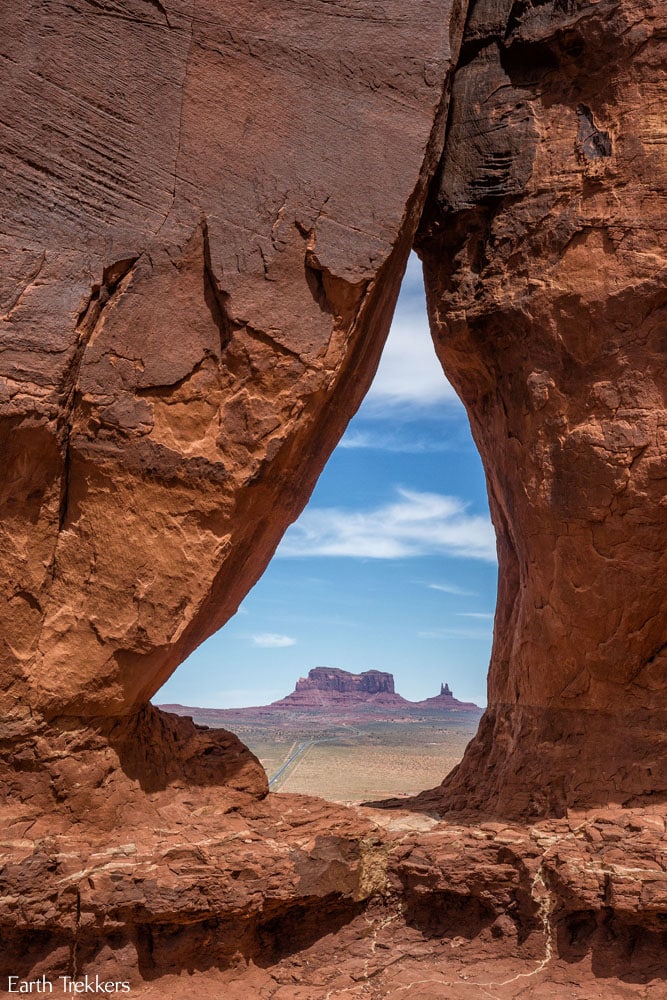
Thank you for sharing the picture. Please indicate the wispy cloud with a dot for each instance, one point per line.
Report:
(416, 524)
(450, 588)
(396, 443)
(475, 614)
(271, 640)
(409, 372)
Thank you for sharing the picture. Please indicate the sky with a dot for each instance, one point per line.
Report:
(392, 564)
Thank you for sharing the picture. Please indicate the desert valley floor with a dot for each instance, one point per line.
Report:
(357, 760)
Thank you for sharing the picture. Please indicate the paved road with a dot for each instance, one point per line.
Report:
(298, 751)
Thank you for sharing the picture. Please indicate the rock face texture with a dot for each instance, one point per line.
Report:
(206, 213)
(545, 258)
(350, 905)
(329, 688)
(343, 682)
(196, 285)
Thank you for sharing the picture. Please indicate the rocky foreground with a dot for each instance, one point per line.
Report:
(202, 884)
(207, 211)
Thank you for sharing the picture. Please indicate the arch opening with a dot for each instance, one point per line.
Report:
(391, 568)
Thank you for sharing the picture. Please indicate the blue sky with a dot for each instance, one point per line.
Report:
(392, 564)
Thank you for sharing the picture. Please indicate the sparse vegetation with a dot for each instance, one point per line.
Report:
(360, 760)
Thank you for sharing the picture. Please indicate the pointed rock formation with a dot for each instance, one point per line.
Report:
(446, 700)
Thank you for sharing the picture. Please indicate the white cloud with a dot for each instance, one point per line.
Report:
(400, 444)
(475, 614)
(450, 588)
(409, 371)
(417, 524)
(271, 640)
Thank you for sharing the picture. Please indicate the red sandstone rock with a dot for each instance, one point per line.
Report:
(492, 906)
(206, 215)
(204, 241)
(332, 689)
(333, 679)
(545, 264)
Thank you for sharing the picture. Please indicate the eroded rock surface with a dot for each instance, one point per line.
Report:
(545, 259)
(298, 899)
(206, 217)
(204, 237)
(333, 679)
(330, 688)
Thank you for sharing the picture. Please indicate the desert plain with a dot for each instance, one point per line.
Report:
(355, 760)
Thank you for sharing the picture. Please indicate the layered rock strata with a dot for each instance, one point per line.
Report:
(330, 689)
(343, 682)
(346, 906)
(545, 263)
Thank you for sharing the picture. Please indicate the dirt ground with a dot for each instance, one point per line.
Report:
(356, 761)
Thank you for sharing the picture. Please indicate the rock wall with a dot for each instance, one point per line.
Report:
(207, 211)
(204, 238)
(545, 262)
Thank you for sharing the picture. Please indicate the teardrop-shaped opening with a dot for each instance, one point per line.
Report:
(390, 568)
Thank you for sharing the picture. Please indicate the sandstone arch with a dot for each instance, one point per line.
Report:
(192, 313)
(206, 216)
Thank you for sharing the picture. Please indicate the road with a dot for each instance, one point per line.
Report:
(298, 751)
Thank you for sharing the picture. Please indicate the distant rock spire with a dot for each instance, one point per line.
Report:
(445, 689)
